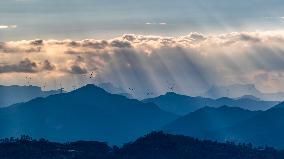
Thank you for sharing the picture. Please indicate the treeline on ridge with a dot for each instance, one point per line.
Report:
(156, 145)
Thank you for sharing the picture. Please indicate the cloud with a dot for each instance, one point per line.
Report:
(192, 63)
(37, 42)
(120, 44)
(8, 27)
(155, 23)
(77, 66)
(21, 46)
(47, 66)
(77, 70)
(26, 66)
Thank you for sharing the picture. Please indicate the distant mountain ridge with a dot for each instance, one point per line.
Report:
(239, 90)
(182, 104)
(88, 113)
(16, 94)
(204, 122)
(266, 128)
(91, 113)
(249, 97)
(109, 87)
(233, 124)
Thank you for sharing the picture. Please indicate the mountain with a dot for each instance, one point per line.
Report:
(17, 94)
(89, 113)
(204, 122)
(239, 90)
(156, 145)
(233, 124)
(178, 104)
(232, 91)
(109, 87)
(266, 128)
(251, 97)
(182, 105)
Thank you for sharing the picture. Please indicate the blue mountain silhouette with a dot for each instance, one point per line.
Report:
(182, 105)
(206, 122)
(266, 128)
(239, 90)
(260, 128)
(89, 113)
(17, 94)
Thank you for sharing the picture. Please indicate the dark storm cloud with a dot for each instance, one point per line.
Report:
(24, 66)
(28, 47)
(121, 44)
(77, 70)
(48, 66)
(95, 45)
(246, 37)
(37, 42)
(27, 66)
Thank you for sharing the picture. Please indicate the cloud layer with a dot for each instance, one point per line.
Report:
(8, 27)
(188, 64)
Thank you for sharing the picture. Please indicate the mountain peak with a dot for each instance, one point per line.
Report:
(90, 112)
(91, 87)
(233, 91)
(171, 94)
(250, 97)
(89, 90)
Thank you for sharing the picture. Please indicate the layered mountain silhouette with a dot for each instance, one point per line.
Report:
(266, 128)
(233, 124)
(89, 113)
(206, 122)
(109, 87)
(249, 97)
(239, 90)
(182, 105)
(17, 94)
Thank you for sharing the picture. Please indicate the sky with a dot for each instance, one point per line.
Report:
(80, 19)
(149, 45)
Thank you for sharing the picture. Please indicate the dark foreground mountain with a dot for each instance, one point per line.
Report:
(16, 94)
(27, 148)
(156, 145)
(182, 105)
(206, 122)
(89, 113)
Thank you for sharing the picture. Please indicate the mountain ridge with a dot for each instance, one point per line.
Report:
(207, 121)
(260, 128)
(18, 94)
(240, 90)
(182, 104)
(88, 113)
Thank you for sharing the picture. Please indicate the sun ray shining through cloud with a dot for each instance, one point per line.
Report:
(112, 71)
(147, 62)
